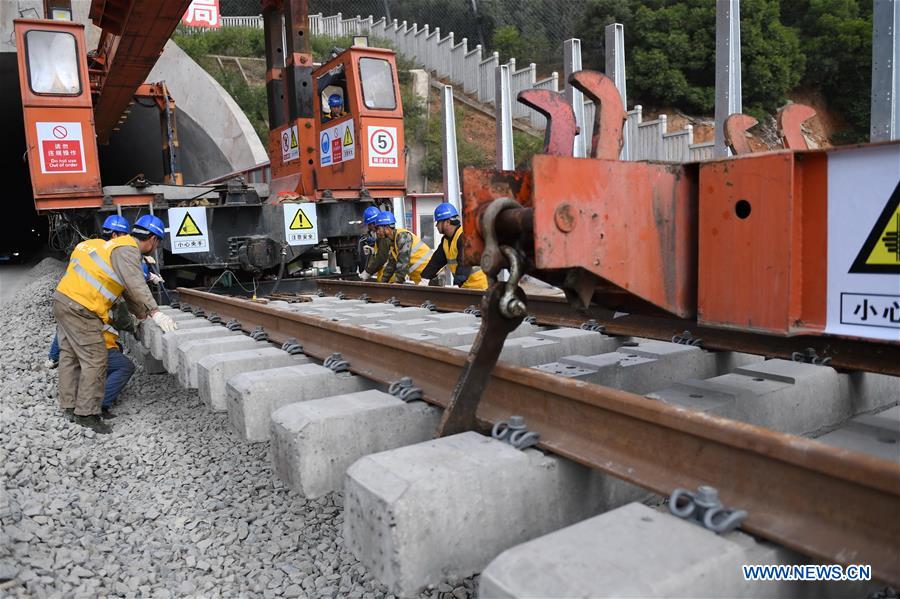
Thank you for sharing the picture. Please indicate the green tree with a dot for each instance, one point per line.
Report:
(507, 41)
(836, 36)
(670, 51)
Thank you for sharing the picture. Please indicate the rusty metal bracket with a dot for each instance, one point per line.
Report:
(810, 356)
(405, 390)
(606, 139)
(515, 433)
(503, 308)
(559, 135)
(790, 120)
(705, 508)
(736, 126)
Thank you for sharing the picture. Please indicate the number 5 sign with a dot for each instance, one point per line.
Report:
(382, 146)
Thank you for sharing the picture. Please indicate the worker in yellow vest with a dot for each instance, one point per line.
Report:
(409, 254)
(95, 278)
(449, 253)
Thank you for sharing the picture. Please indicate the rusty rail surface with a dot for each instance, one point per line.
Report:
(845, 353)
(825, 502)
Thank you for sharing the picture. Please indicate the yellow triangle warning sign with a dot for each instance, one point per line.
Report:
(880, 254)
(348, 137)
(188, 228)
(300, 221)
(293, 138)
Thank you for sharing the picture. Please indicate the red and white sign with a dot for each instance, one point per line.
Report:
(61, 147)
(203, 13)
(382, 146)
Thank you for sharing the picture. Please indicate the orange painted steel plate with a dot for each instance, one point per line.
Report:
(632, 224)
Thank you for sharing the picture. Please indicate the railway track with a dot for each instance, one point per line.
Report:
(829, 503)
(849, 354)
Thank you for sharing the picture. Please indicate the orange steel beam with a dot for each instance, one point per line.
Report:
(141, 30)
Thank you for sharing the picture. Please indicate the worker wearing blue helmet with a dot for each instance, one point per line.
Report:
(376, 249)
(335, 106)
(95, 279)
(450, 252)
(408, 253)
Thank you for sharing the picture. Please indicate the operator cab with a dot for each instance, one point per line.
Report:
(359, 126)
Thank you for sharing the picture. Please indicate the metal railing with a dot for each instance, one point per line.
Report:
(474, 71)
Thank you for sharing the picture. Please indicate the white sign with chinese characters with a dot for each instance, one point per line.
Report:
(300, 224)
(202, 13)
(337, 144)
(382, 146)
(290, 144)
(188, 230)
(863, 233)
(61, 147)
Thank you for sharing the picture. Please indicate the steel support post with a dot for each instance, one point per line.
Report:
(615, 70)
(506, 159)
(885, 123)
(448, 143)
(728, 68)
(572, 60)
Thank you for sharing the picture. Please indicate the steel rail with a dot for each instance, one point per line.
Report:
(845, 353)
(825, 502)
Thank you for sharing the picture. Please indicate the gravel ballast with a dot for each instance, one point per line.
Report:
(171, 504)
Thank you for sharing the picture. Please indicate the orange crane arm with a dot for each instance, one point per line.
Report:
(134, 34)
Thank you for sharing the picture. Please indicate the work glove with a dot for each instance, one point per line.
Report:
(155, 278)
(50, 364)
(424, 282)
(368, 250)
(164, 322)
(364, 276)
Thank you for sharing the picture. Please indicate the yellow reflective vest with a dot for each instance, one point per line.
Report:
(419, 255)
(477, 278)
(90, 279)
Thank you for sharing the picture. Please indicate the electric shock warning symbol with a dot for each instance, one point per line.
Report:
(300, 221)
(188, 228)
(880, 254)
(348, 137)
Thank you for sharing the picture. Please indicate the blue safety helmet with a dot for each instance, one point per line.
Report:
(150, 224)
(386, 219)
(335, 101)
(116, 223)
(445, 211)
(370, 215)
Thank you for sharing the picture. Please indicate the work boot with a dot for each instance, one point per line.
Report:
(106, 414)
(68, 414)
(93, 422)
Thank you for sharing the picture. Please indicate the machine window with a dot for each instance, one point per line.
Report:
(52, 63)
(377, 84)
(333, 89)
